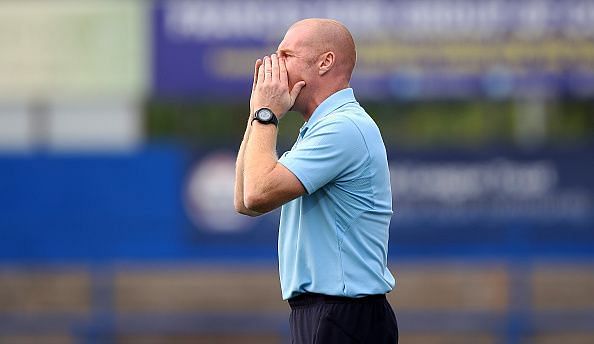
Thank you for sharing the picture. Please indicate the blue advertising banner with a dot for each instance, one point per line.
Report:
(443, 201)
(493, 202)
(170, 203)
(406, 49)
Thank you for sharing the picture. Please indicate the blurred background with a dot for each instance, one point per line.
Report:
(119, 125)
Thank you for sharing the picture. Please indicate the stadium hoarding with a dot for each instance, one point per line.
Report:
(169, 202)
(406, 49)
(499, 201)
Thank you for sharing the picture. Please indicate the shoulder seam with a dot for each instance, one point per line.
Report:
(362, 137)
(367, 160)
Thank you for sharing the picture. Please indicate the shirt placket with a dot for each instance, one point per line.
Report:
(302, 132)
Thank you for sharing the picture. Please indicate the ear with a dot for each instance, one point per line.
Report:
(326, 62)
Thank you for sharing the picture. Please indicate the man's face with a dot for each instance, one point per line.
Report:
(297, 53)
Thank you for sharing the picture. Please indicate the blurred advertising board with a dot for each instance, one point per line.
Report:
(168, 202)
(493, 185)
(68, 48)
(406, 49)
(460, 200)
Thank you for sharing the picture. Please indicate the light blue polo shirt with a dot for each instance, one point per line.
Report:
(334, 239)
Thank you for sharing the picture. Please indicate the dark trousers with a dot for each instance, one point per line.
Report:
(322, 319)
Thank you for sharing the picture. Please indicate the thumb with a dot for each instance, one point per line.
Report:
(296, 89)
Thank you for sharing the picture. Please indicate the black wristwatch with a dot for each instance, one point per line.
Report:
(265, 116)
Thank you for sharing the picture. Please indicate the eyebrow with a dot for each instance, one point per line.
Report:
(284, 51)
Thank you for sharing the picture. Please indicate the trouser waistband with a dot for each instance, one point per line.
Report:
(313, 298)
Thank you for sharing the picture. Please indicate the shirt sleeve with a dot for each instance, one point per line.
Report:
(333, 149)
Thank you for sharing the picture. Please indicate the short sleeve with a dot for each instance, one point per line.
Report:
(332, 149)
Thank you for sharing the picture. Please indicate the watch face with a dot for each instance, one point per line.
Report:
(265, 115)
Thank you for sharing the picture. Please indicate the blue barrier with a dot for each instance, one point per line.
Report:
(166, 202)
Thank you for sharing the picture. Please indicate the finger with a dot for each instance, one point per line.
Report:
(261, 72)
(267, 68)
(275, 69)
(256, 66)
(284, 78)
(295, 91)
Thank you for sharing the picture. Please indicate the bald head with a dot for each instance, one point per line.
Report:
(324, 35)
(320, 52)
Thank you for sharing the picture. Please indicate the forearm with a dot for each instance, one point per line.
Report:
(266, 183)
(239, 172)
(260, 160)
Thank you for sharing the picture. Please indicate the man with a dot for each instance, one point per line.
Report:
(333, 186)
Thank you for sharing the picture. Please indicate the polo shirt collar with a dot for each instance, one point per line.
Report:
(329, 104)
